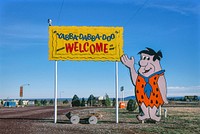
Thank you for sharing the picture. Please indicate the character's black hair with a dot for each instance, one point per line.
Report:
(151, 52)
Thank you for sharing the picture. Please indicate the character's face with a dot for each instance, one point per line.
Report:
(148, 66)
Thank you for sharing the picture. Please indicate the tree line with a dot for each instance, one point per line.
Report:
(76, 102)
(92, 101)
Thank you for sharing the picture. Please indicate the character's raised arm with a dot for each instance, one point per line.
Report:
(130, 64)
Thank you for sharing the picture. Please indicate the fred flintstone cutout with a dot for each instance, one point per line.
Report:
(149, 82)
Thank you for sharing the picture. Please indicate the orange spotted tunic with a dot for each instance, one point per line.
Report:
(155, 98)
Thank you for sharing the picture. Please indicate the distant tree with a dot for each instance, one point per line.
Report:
(65, 101)
(114, 102)
(37, 103)
(184, 99)
(43, 102)
(83, 102)
(51, 102)
(91, 100)
(20, 102)
(131, 106)
(107, 101)
(75, 101)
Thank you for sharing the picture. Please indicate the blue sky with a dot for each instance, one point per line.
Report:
(170, 26)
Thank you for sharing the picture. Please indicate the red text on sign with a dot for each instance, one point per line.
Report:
(86, 47)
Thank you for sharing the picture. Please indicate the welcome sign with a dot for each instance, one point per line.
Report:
(85, 43)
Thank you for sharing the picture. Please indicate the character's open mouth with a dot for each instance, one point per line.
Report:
(146, 71)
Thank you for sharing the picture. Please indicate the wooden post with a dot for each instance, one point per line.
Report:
(160, 110)
(165, 112)
(116, 93)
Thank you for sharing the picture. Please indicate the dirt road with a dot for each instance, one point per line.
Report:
(40, 120)
(25, 120)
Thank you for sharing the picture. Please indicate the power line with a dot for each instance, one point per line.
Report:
(60, 11)
(136, 12)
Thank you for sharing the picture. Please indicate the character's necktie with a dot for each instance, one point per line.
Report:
(147, 88)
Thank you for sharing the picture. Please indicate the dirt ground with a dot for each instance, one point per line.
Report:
(39, 120)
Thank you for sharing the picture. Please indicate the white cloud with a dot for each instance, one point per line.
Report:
(182, 87)
(183, 91)
(180, 7)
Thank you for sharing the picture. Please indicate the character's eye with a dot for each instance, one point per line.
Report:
(143, 57)
(148, 58)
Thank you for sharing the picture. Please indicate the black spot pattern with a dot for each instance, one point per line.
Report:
(156, 102)
(156, 95)
(142, 96)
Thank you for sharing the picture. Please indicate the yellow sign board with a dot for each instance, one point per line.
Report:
(85, 43)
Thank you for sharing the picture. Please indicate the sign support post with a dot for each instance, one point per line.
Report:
(116, 92)
(55, 90)
(55, 83)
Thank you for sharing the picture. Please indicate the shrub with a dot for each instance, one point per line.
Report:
(65, 101)
(83, 102)
(107, 101)
(43, 102)
(51, 102)
(131, 106)
(75, 101)
(20, 102)
(114, 102)
(91, 100)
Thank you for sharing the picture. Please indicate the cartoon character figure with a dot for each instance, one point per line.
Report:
(149, 82)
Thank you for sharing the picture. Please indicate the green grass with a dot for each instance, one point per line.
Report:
(179, 121)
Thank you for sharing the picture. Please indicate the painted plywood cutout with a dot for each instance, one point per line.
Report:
(149, 81)
(85, 43)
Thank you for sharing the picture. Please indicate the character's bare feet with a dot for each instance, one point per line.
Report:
(153, 115)
(156, 118)
(141, 118)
